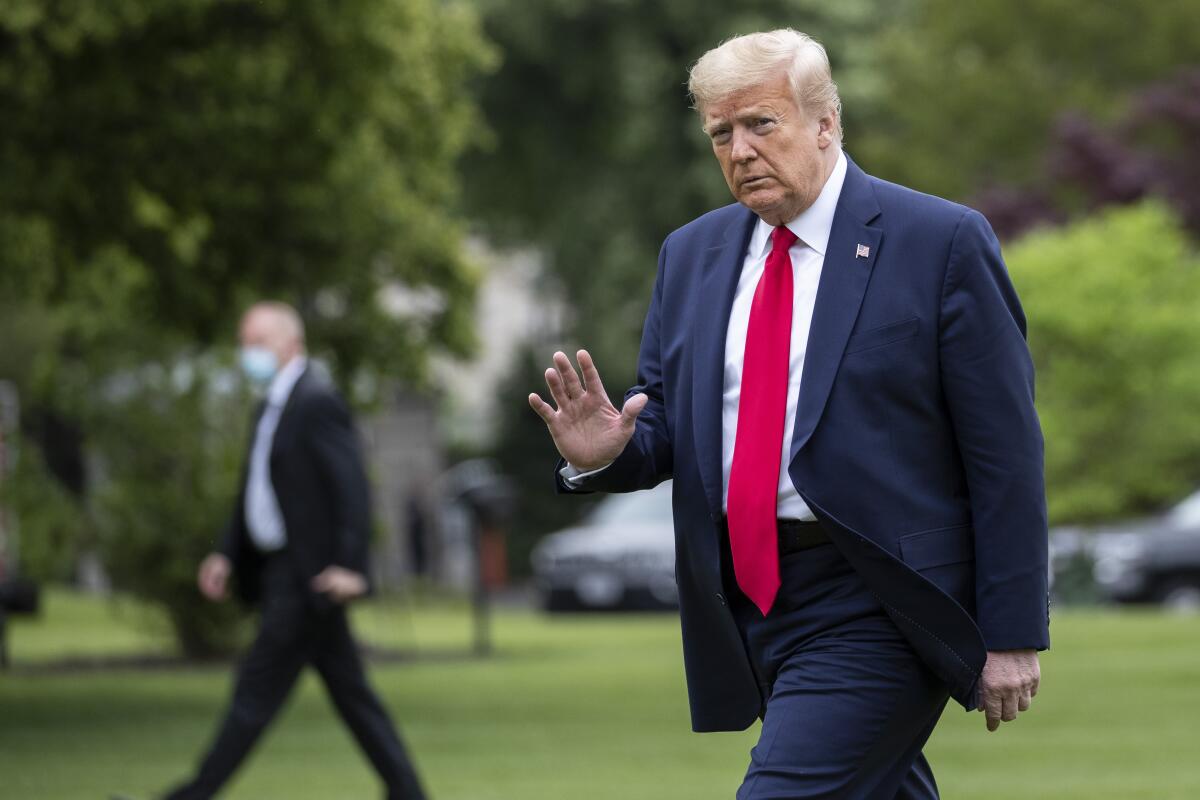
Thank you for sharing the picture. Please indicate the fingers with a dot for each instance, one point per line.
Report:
(1004, 706)
(212, 586)
(213, 577)
(339, 584)
(322, 581)
(327, 583)
(542, 408)
(591, 376)
(564, 382)
(992, 710)
(566, 372)
(559, 392)
(1008, 707)
(633, 406)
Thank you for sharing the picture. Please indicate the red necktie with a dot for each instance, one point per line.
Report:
(762, 411)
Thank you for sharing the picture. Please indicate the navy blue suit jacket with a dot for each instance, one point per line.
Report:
(916, 440)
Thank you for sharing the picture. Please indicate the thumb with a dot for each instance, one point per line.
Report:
(633, 406)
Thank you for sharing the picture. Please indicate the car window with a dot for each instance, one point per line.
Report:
(653, 505)
(1187, 513)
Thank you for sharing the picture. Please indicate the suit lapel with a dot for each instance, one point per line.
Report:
(721, 270)
(283, 428)
(844, 278)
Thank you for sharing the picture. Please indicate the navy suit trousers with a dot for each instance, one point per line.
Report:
(849, 704)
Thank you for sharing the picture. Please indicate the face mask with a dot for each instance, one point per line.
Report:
(259, 364)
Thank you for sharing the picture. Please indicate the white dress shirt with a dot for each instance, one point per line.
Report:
(812, 229)
(808, 257)
(264, 520)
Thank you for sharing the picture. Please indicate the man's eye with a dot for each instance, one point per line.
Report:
(720, 135)
(763, 122)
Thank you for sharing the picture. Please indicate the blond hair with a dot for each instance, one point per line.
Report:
(751, 60)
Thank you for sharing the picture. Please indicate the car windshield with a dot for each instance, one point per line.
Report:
(1187, 513)
(653, 505)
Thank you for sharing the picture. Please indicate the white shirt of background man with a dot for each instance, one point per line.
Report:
(264, 520)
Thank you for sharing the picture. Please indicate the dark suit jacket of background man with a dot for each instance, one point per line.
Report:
(317, 474)
(916, 441)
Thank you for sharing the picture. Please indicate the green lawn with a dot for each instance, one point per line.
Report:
(581, 708)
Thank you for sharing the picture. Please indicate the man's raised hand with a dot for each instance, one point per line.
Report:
(588, 430)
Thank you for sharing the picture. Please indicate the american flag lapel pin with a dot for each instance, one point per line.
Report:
(862, 252)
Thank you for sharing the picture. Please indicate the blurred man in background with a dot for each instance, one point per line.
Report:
(297, 545)
(834, 372)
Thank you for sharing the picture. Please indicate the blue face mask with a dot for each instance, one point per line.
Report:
(259, 364)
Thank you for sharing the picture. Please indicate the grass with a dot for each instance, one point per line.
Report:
(579, 707)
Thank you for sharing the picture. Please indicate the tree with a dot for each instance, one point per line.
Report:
(170, 161)
(972, 91)
(167, 163)
(1152, 149)
(1111, 302)
(526, 454)
(171, 442)
(596, 154)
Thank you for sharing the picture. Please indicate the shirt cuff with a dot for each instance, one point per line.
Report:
(575, 479)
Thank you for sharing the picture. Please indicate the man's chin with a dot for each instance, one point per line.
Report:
(763, 206)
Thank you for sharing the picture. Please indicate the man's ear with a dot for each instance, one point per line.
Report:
(825, 131)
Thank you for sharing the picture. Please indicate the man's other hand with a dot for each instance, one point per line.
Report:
(341, 584)
(213, 577)
(1008, 684)
(588, 430)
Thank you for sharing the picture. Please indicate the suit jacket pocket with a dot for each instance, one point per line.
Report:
(884, 334)
(937, 547)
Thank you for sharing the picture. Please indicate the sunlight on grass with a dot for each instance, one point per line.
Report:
(587, 707)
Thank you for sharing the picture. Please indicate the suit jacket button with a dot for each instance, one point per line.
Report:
(721, 599)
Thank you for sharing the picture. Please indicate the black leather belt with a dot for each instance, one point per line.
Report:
(795, 535)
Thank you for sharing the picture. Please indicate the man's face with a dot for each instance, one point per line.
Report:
(262, 328)
(775, 157)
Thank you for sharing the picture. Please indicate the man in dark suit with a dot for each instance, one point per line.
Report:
(835, 374)
(297, 545)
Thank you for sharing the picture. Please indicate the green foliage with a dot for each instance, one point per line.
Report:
(1111, 303)
(525, 454)
(597, 155)
(52, 514)
(172, 441)
(971, 91)
(167, 163)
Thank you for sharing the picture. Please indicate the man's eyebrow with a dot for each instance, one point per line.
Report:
(743, 115)
(754, 113)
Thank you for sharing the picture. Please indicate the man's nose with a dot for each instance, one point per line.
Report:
(741, 148)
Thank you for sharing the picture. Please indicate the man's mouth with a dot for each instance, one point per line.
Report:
(750, 183)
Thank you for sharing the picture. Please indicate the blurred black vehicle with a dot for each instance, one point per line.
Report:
(1149, 560)
(621, 556)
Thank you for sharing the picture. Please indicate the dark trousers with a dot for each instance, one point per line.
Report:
(296, 631)
(850, 705)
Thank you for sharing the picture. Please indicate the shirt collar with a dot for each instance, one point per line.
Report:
(283, 383)
(815, 222)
